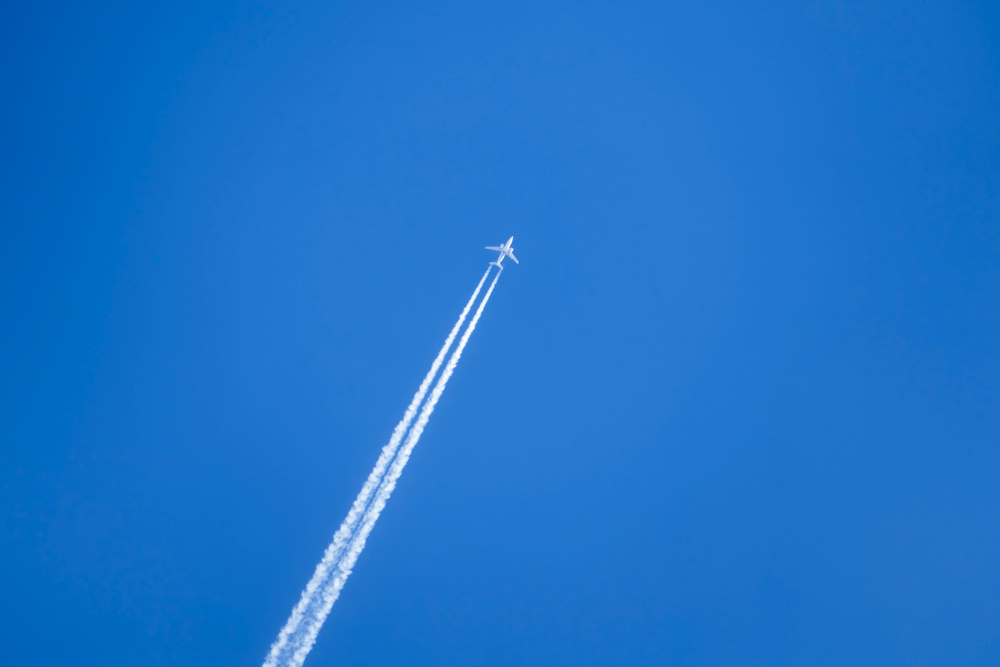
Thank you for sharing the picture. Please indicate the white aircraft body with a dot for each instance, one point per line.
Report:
(505, 251)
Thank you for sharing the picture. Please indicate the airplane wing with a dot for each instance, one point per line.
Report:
(493, 247)
(511, 255)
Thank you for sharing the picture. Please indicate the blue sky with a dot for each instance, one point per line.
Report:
(739, 403)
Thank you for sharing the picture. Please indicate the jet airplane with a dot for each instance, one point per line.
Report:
(505, 251)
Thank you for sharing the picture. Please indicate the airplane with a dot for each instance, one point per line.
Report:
(505, 251)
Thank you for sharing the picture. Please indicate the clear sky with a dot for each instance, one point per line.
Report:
(739, 404)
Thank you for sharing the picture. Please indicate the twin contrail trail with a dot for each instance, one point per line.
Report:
(298, 635)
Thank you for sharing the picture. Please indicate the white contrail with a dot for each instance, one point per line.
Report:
(347, 528)
(343, 568)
